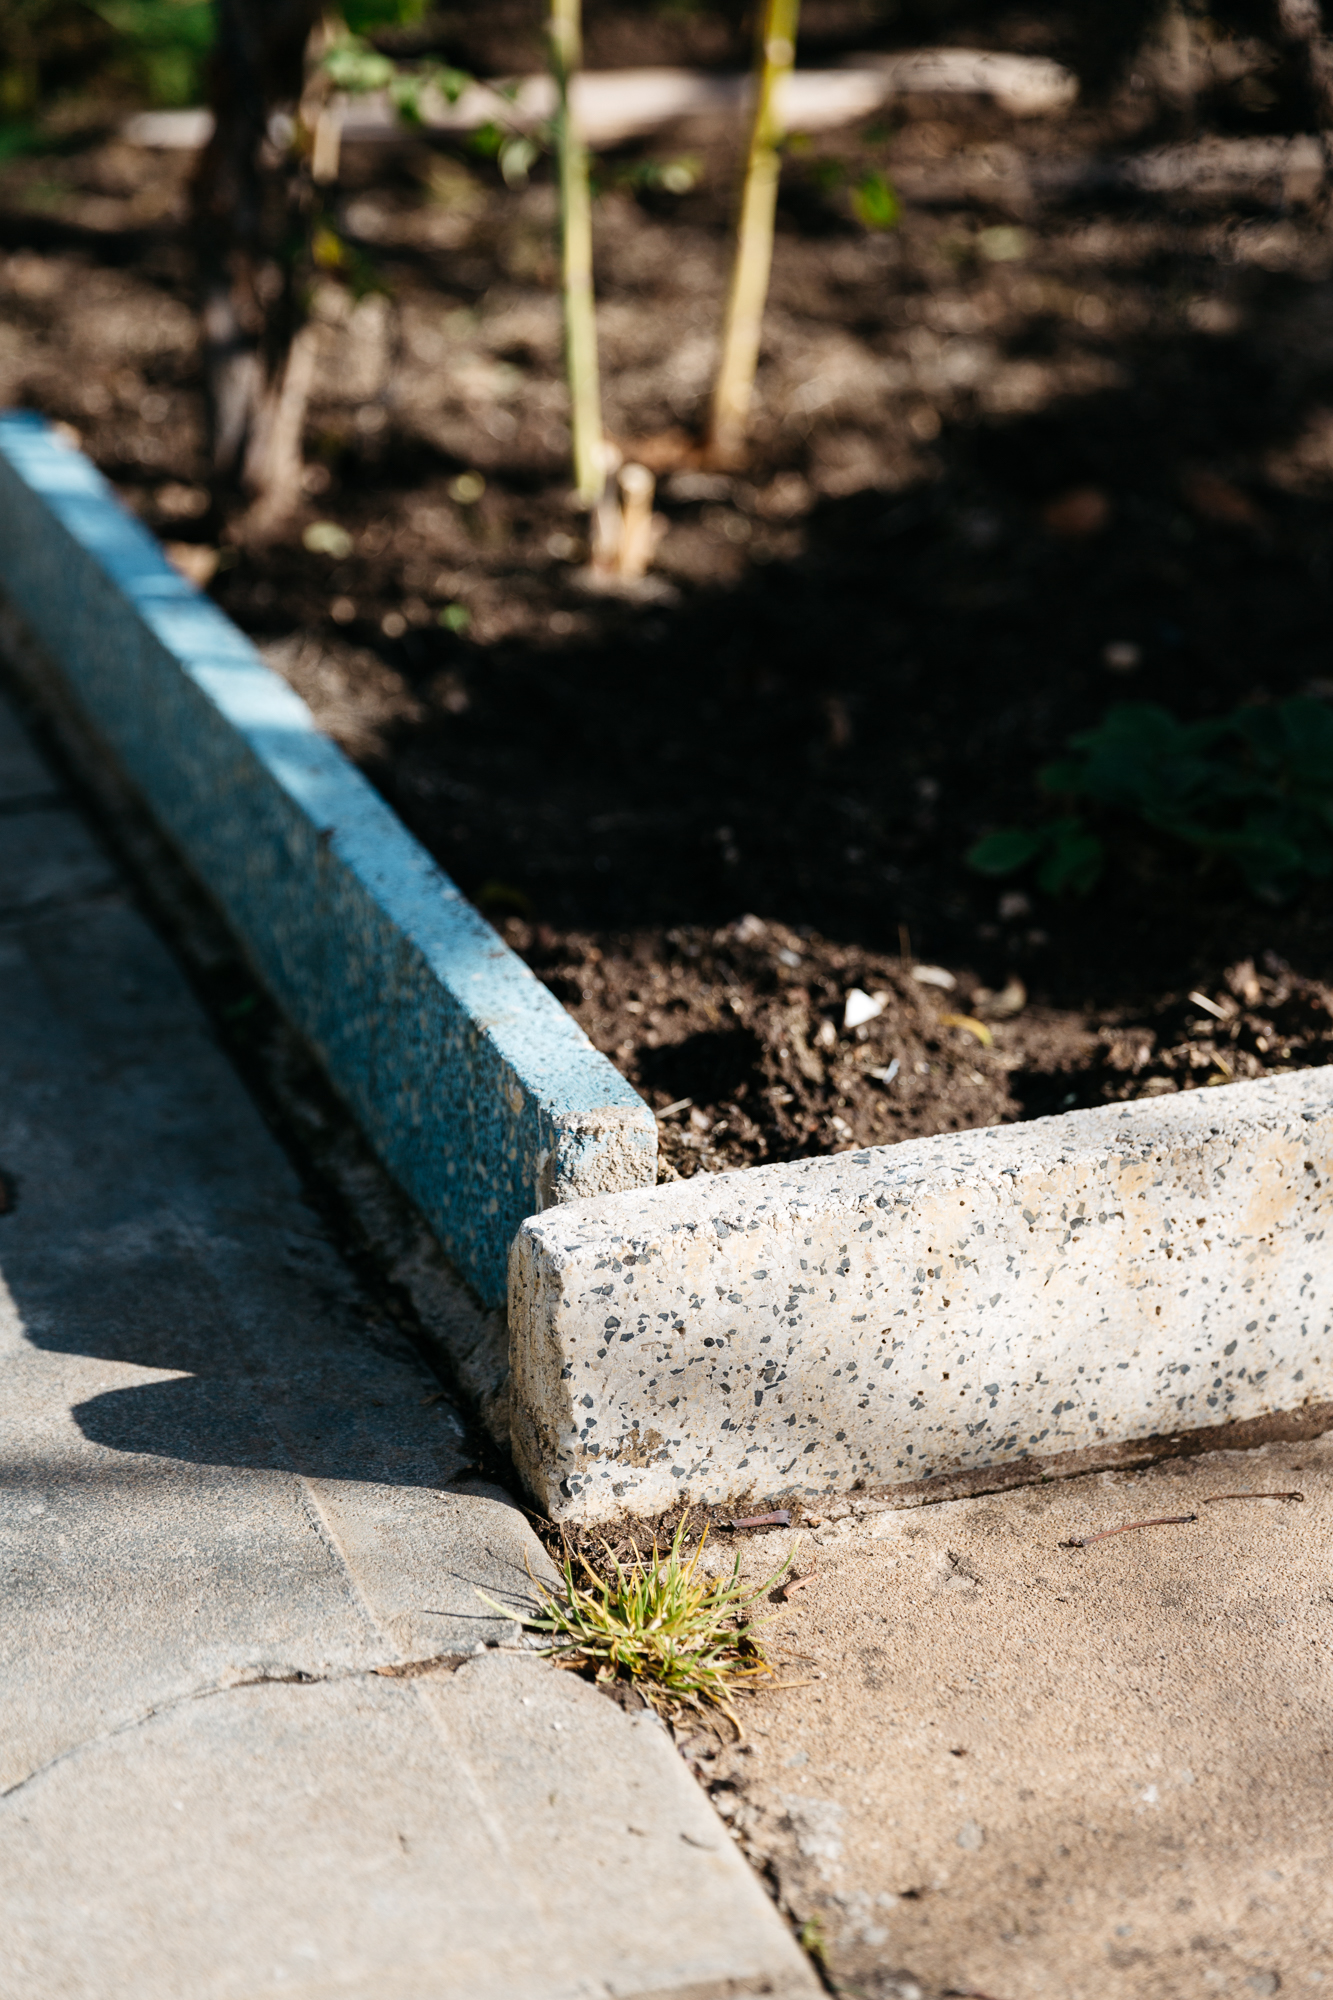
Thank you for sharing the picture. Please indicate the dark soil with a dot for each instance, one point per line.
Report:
(999, 453)
(738, 1037)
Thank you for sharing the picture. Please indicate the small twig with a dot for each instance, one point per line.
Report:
(780, 1519)
(797, 1583)
(1157, 1521)
(1213, 1498)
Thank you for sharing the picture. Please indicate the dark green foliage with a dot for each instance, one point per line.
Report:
(366, 17)
(168, 42)
(160, 46)
(17, 138)
(1255, 787)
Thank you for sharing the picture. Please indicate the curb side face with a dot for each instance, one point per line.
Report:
(481, 1094)
(1014, 1295)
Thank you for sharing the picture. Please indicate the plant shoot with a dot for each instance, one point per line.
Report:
(585, 402)
(734, 388)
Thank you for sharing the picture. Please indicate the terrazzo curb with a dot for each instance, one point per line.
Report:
(783, 1330)
(940, 1308)
(478, 1091)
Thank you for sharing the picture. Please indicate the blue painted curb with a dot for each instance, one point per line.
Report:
(483, 1098)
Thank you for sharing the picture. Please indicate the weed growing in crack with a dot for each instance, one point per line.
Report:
(811, 1938)
(683, 1640)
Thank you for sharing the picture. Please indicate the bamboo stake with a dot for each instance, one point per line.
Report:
(576, 257)
(734, 387)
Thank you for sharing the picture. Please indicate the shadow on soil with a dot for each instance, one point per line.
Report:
(824, 741)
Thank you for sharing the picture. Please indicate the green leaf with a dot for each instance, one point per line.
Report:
(1255, 786)
(17, 139)
(1292, 744)
(1074, 861)
(487, 140)
(1066, 775)
(1001, 853)
(452, 82)
(169, 41)
(875, 202)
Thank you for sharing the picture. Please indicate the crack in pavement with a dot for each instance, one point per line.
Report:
(297, 1677)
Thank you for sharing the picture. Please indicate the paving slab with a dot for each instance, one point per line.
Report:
(1037, 1772)
(234, 1505)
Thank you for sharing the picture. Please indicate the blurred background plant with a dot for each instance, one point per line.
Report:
(1254, 787)
(733, 388)
(165, 43)
(147, 51)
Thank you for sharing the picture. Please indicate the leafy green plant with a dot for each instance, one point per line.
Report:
(515, 152)
(683, 1640)
(158, 45)
(355, 65)
(1254, 787)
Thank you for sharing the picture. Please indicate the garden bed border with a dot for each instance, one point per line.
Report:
(664, 1340)
(482, 1096)
(941, 1316)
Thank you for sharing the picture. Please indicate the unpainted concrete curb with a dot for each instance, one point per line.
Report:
(939, 1307)
(480, 1093)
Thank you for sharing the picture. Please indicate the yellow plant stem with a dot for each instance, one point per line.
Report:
(576, 258)
(734, 387)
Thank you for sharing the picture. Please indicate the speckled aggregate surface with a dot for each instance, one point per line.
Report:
(482, 1096)
(946, 1305)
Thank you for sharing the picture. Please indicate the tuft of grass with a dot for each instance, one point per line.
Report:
(683, 1640)
(811, 1938)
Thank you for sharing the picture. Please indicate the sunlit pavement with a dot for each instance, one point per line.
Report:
(234, 1503)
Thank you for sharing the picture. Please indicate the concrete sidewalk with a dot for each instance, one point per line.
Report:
(1031, 1771)
(234, 1501)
